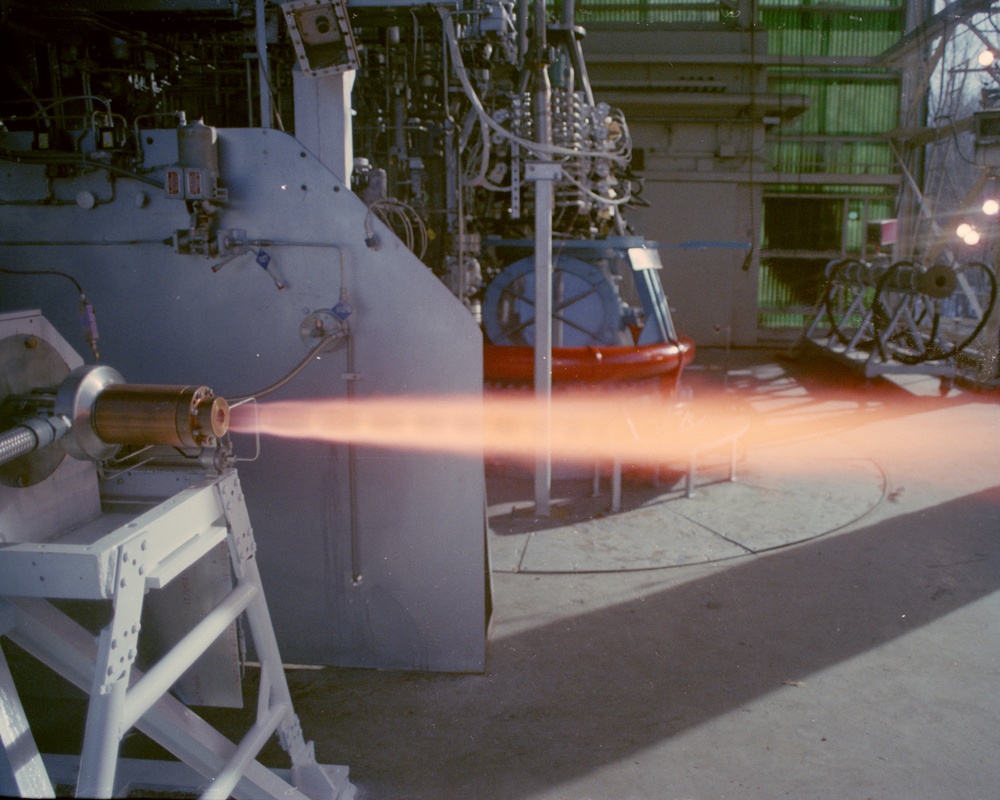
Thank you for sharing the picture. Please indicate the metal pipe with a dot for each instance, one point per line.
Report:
(223, 784)
(262, 65)
(576, 50)
(543, 273)
(352, 475)
(249, 68)
(541, 29)
(153, 684)
(18, 441)
(31, 435)
(568, 12)
(522, 32)
(543, 343)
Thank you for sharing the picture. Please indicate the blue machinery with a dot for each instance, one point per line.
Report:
(592, 280)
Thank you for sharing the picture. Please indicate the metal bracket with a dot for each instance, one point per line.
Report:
(120, 640)
(237, 518)
(542, 171)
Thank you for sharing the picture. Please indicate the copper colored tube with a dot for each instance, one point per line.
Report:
(177, 416)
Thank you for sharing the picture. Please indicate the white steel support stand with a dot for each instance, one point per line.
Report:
(28, 776)
(119, 558)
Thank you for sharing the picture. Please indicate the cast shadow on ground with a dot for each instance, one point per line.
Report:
(744, 632)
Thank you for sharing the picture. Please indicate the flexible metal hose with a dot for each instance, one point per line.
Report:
(17, 441)
(32, 434)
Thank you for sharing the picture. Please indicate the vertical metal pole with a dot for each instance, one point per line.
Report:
(543, 272)
(116, 651)
(522, 32)
(543, 343)
(913, 111)
(569, 13)
(247, 59)
(262, 66)
(99, 756)
(352, 471)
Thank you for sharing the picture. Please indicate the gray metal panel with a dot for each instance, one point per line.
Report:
(67, 497)
(169, 318)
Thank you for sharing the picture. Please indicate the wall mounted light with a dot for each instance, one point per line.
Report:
(967, 233)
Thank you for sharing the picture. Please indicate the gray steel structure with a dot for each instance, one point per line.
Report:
(370, 557)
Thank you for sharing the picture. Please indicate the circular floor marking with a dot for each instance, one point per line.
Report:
(781, 496)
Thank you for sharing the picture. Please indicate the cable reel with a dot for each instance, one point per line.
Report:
(906, 312)
(932, 314)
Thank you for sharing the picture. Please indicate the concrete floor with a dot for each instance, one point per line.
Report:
(856, 655)
(827, 627)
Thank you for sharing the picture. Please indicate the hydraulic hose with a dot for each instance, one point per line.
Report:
(30, 436)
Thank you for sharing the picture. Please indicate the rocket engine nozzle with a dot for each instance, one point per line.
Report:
(94, 412)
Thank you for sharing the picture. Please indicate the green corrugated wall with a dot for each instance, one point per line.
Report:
(676, 12)
(830, 29)
(852, 102)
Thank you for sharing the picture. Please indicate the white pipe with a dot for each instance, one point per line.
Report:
(536, 148)
(155, 683)
(27, 770)
(224, 783)
(543, 275)
(543, 343)
(101, 739)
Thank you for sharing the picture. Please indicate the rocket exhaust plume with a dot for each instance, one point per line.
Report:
(585, 427)
(638, 429)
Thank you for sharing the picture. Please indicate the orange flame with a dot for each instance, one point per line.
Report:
(584, 426)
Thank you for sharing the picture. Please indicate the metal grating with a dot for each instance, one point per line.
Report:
(842, 156)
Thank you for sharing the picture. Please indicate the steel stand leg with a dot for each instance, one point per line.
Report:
(20, 753)
(116, 651)
(274, 703)
(124, 563)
